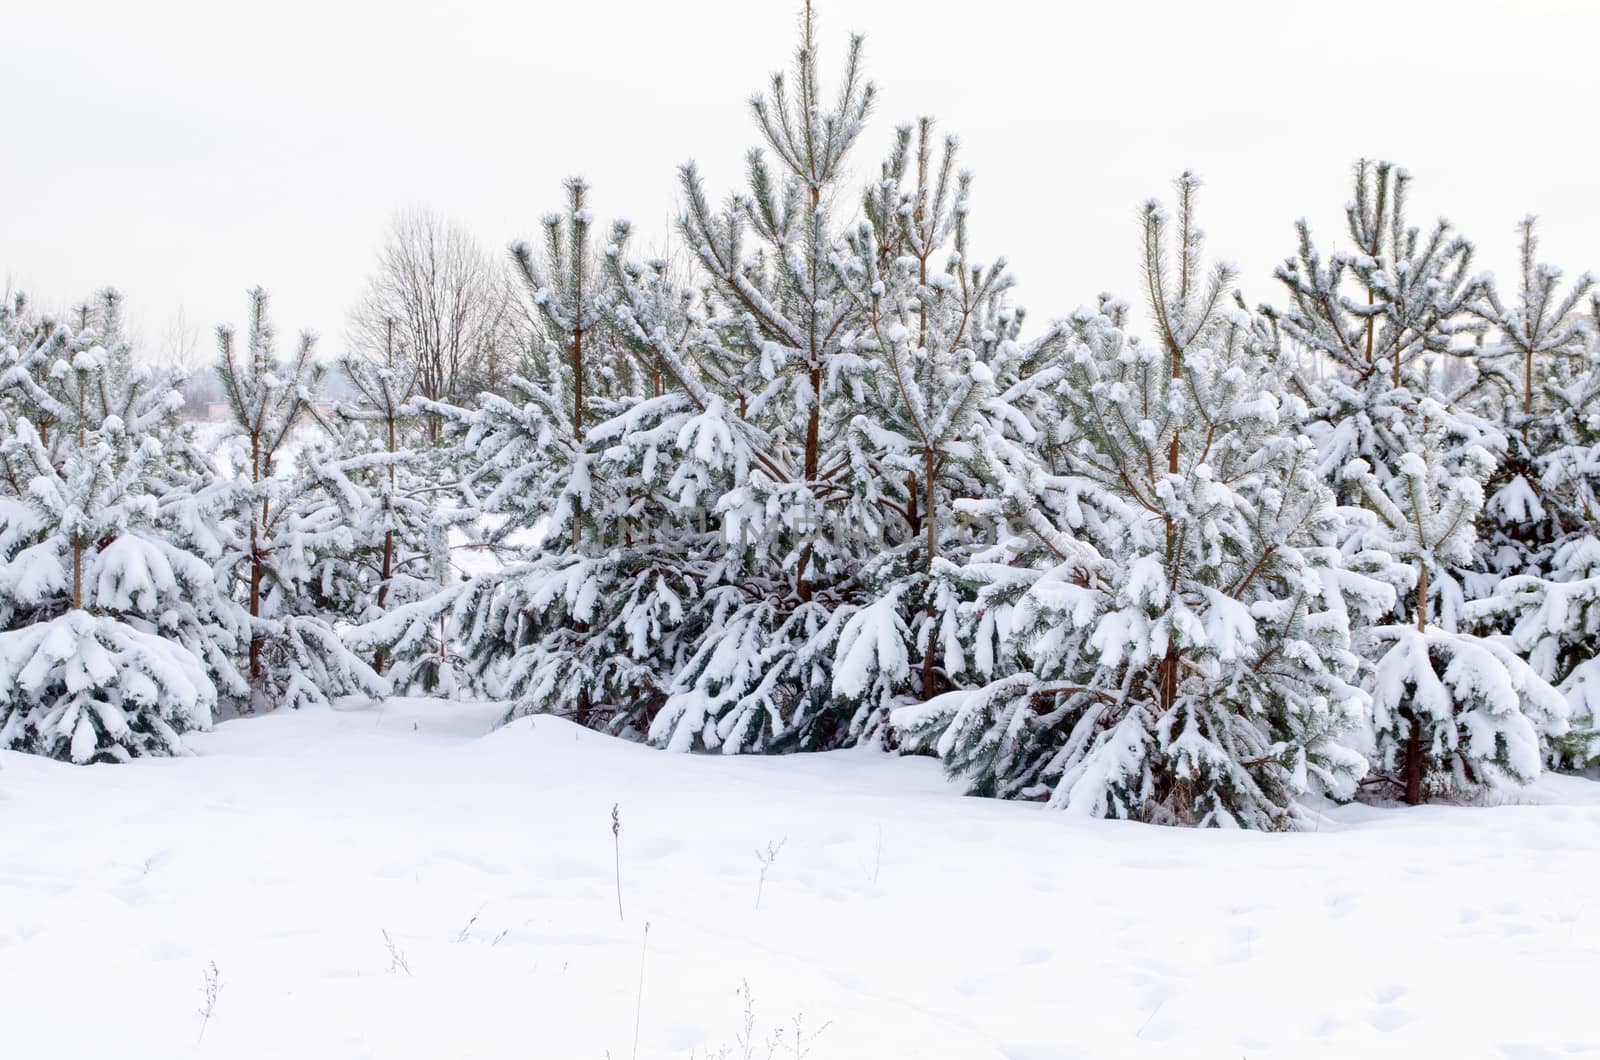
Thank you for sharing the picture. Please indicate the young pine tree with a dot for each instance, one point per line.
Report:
(1537, 340)
(1377, 319)
(1451, 712)
(1182, 654)
(778, 377)
(290, 536)
(593, 469)
(29, 344)
(924, 304)
(1552, 609)
(105, 625)
(395, 491)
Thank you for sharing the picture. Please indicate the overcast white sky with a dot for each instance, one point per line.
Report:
(185, 151)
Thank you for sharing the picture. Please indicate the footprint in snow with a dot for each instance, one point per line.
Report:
(1034, 955)
(1341, 905)
(1242, 944)
(1327, 1026)
(1390, 1020)
(1389, 1017)
(1389, 993)
(1523, 1051)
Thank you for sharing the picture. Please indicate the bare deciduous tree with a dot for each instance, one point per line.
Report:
(448, 306)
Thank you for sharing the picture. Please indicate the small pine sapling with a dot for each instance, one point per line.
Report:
(1451, 712)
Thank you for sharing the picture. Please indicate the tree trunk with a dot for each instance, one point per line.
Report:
(930, 653)
(577, 402)
(802, 584)
(257, 525)
(913, 515)
(1415, 795)
(1527, 382)
(77, 539)
(1369, 325)
(1168, 679)
(379, 657)
(813, 447)
(577, 380)
(77, 572)
(255, 607)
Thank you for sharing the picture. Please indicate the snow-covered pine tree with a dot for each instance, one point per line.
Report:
(1542, 325)
(28, 344)
(1451, 712)
(1552, 610)
(106, 623)
(687, 579)
(1377, 319)
(1183, 653)
(924, 307)
(551, 617)
(581, 466)
(567, 289)
(785, 305)
(291, 538)
(1539, 333)
(396, 493)
(780, 381)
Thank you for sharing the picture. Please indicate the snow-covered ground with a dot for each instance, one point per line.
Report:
(898, 919)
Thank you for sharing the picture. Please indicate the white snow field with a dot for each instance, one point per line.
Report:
(907, 919)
